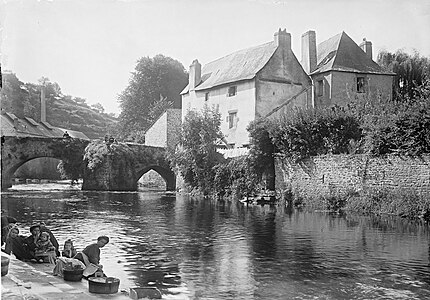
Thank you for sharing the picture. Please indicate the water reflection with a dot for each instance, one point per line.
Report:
(195, 249)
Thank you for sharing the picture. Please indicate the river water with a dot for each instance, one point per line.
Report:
(197, 249)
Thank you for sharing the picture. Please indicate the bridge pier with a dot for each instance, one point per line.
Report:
(6, 182)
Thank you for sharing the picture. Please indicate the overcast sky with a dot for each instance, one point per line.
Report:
(90, 47)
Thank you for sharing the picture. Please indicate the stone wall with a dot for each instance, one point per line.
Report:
(322, 175)
(165, 131)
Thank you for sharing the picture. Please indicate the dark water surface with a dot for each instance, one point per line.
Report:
(197, 249)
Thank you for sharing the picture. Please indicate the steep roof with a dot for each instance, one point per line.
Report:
(240, 65)
(341, 53)
(14, 126)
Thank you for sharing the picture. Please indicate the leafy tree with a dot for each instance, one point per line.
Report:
(412, 71)
(13, 95)
(155, 84)
(196, 157)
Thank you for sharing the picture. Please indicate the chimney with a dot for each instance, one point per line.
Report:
(283, 38)
(195, 74)
(366, 46)
(42, 104)
(309, 51)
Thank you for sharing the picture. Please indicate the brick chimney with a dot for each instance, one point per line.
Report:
(309, 51)
(283, 38)
(366, 46)
(195, 75)
(42, 104)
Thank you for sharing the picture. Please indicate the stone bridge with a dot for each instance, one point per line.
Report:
(113, 174)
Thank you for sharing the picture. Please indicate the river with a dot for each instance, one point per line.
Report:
(198, 249)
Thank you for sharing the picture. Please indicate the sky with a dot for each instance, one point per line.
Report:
(91, 47)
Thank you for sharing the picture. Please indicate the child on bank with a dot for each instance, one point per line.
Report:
(68, 250)
(44, 247)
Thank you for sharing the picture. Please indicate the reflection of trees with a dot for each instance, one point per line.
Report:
(29, 208)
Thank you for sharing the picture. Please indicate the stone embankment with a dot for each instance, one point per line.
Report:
(328, 174)
(33, 282)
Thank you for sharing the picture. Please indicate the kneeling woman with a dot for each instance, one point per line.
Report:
(90, 256)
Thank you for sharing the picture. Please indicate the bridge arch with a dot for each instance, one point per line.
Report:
(16, 151)
(167, 174)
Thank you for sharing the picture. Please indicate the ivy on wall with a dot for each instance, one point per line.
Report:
(71, 152)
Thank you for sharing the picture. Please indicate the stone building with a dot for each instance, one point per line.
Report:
(248, 84)
(342, 71)
(268, 80)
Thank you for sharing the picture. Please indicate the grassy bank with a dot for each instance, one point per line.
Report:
(398, 202)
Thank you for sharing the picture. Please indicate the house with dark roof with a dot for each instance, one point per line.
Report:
(247, 84)
(342, 71)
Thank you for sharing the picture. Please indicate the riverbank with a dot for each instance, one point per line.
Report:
(36, 282)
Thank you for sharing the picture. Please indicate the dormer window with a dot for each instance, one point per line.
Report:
(361, 83)
(232, 91)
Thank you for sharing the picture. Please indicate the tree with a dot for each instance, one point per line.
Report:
(155, 78)
(98, 108)
(196, 157)
(412, 71)
(13, 95)
(262, 151)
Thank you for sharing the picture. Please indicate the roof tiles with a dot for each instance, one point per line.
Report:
(240, 65)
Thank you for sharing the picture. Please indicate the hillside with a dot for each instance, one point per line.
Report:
(65, 111)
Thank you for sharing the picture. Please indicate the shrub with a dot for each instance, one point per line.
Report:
(313, 132)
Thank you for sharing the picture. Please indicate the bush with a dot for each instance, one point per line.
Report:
(314, 132)
(196, 158)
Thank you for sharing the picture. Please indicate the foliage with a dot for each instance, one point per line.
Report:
(155, 84)
(98, 151)
(410, 134)
(236, 178)
(13, 95)
(399, 202)
(412, 71)
(394, 127)
(262, 149)
(196, 157)
(95, 154)
(70, 151)
(312, 132)
(62, 110)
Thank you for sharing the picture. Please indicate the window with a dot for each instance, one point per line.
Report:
(232, 116)
(320, 88)
(232, 90)
(360, 85)
(207, 96)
